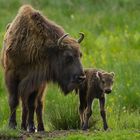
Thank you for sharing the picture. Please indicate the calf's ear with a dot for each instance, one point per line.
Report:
(112, 73)
(98, 75)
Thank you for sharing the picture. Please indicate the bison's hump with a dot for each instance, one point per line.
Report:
(26, 10)
(29, 33)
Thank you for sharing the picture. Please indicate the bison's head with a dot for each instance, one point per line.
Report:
(70, 71)
(106, 81)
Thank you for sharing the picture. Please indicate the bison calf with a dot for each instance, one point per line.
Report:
(96, 84)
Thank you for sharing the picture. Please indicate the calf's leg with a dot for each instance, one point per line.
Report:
(103, 113)
(88, 113)
(82, 106)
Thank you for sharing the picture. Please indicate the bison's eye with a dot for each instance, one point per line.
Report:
(81, 54)
(69, 59)
(103, 81)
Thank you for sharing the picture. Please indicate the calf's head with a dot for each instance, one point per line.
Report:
(106, 81)
(70, 73)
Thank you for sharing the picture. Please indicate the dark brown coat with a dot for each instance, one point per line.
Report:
(96, 84)
(36, 51)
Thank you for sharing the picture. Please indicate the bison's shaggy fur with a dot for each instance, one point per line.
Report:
(96, 84)
(36, 51)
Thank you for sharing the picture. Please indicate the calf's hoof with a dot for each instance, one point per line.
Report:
(105, 127)
(82, 124)
(108, 129)
(85, 127)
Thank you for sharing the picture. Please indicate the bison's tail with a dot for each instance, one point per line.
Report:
(2, 62)
(4, 48)
(2, 55)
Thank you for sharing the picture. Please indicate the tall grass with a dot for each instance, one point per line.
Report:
(112, 42)
(61, 111)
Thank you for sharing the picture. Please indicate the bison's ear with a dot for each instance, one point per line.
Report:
(112, 73)
(98, 75)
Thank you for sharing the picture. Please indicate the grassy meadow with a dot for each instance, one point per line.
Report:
(112, 43)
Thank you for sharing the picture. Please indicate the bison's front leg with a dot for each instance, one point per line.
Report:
(102, 112)
(88, 113)
(31, 108)
(39, 109)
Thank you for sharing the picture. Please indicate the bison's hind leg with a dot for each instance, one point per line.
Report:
(39, 109)
(31, 106)
(24, 114)
(12, 86)
(30, 103)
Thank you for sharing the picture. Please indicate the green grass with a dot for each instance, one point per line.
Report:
(112, 135)
(112, 42)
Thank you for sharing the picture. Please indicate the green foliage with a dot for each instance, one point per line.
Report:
(61, 111)
(6, 133)
(112, 135)
(112, 42)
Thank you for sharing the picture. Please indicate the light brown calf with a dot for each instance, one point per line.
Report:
(96, 84)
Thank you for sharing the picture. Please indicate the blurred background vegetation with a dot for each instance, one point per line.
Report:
(112, 43)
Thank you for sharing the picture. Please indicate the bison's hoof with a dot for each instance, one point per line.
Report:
(31, 128)
(12, 125)
(24, 127)
(40, 127)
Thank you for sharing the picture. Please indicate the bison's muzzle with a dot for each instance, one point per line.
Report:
(74, 83)
(108, 91)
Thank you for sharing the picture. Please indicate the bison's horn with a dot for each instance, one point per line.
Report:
(61, 39)
(81, 37)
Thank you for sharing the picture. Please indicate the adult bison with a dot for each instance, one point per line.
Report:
(36, 51)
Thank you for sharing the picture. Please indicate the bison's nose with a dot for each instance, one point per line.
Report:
(80, 78)
(108, 91)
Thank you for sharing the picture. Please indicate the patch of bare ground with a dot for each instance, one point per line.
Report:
(44, 135)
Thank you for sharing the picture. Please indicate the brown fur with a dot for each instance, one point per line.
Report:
(96, 84)
(31, 57)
